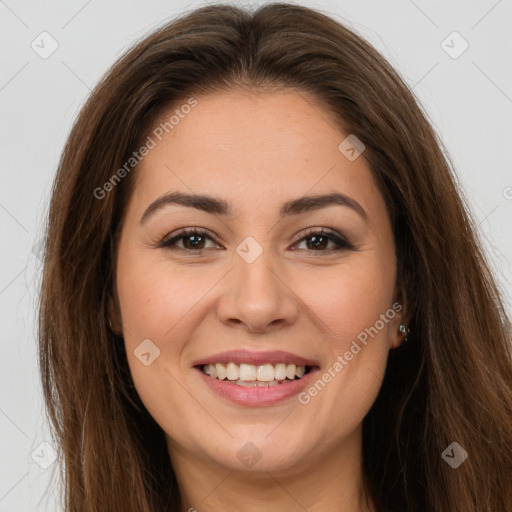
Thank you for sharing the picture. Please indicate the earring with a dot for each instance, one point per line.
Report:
(404, 330)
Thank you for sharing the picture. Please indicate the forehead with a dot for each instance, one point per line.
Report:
(253, 149)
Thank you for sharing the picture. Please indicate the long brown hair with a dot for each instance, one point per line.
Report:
(450, 382)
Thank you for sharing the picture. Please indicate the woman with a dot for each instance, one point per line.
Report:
(262, 288)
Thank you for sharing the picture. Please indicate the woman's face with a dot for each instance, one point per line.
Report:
(259, 280)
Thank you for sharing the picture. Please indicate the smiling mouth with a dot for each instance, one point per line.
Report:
(249, 375)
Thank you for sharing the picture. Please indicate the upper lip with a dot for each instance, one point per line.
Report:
(256, 358)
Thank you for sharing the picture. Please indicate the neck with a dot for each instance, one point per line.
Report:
(330, 481)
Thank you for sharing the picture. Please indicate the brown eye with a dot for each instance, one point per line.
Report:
(316, 241)
(192, 240)
(319, 240)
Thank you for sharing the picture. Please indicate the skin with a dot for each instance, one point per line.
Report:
(257, 151)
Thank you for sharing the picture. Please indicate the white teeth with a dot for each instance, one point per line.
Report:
(257, 383)
(264, 373)
(221, 371)
(247, 372)
(280, 371)
(246, 384)
(232, 371)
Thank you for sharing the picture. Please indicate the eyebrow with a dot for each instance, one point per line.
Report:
(214, 205)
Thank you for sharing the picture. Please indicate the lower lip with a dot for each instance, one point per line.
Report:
(257, 396)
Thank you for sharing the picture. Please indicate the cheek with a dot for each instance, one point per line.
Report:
(163, 304)
(355, 306)
(155, 296)
(351, 298)
(157, 305)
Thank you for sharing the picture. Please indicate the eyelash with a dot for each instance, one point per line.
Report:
(329, 233)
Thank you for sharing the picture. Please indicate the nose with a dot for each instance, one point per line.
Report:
(257, 297)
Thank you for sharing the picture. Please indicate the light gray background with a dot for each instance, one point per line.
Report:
(468, 99)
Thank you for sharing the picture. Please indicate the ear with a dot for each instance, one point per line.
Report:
(114, 315)
(399, 306)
